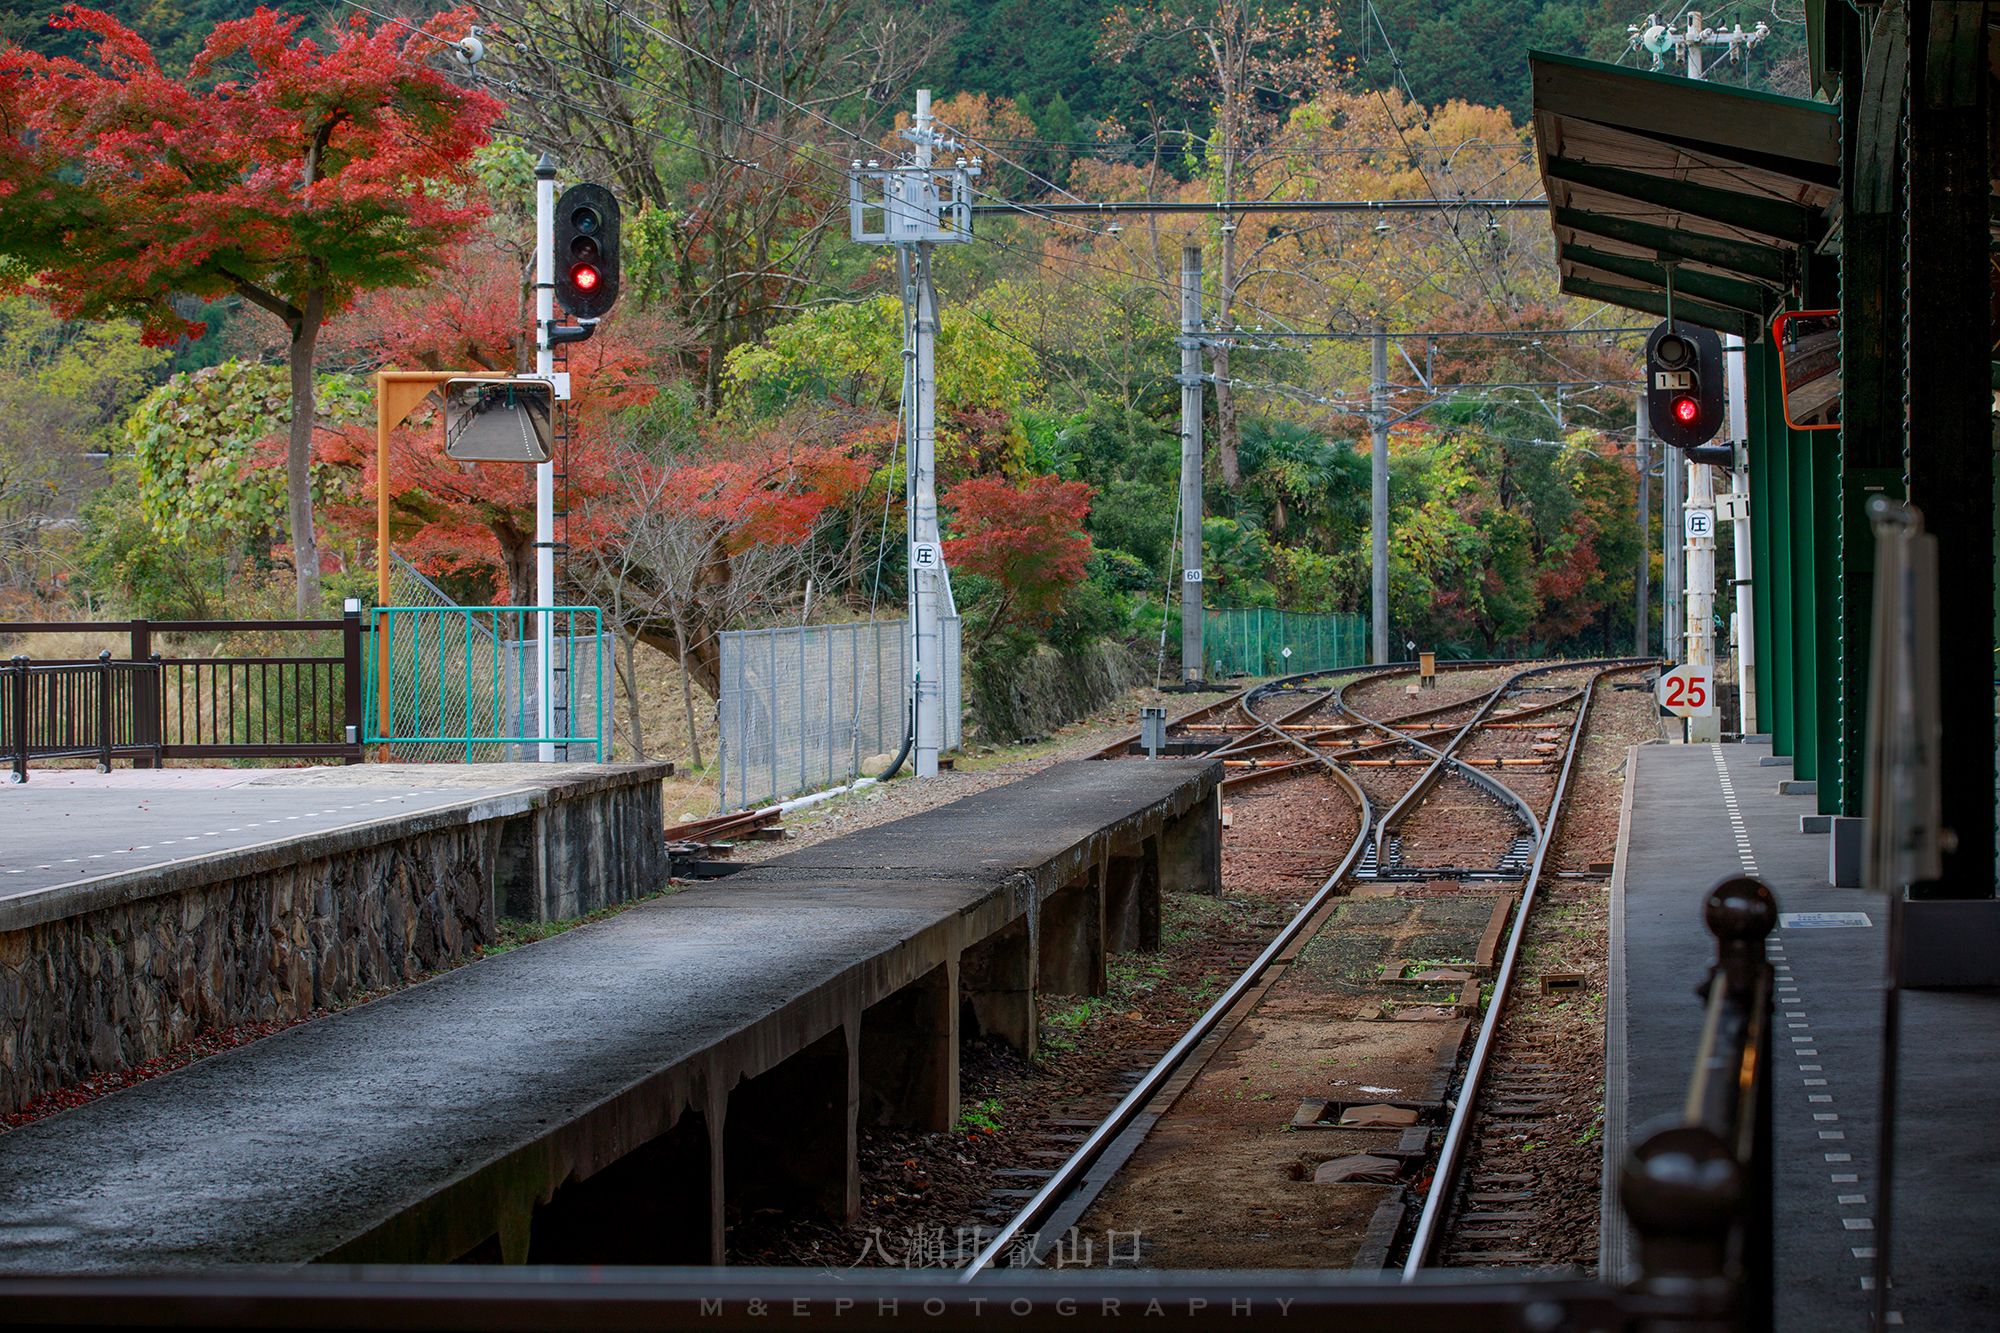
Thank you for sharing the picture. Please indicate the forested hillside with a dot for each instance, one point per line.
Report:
(738, 455)
(1042, 53)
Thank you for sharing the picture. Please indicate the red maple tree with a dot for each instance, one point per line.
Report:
(1028, 539)
(447, 516)
(286, 172)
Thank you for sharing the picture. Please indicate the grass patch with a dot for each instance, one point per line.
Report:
(514, 934)
(980, 1117)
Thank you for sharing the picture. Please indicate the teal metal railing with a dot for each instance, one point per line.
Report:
(459, 684)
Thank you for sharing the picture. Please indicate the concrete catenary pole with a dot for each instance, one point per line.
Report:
(1699, 593)
(1191, 406)
(1642, 629)
(545, 473)
(926, 622)
(1378, 411)
(1698, 580)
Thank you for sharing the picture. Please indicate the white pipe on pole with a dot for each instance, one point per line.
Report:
(925, 619)
(1744, 621)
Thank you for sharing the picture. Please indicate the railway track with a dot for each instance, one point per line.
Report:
(1400, 964)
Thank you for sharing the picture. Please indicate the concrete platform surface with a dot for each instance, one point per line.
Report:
(1698, 813)
(283, 1151)
(65, 827)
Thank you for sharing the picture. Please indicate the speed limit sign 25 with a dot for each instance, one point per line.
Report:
(1687, 691)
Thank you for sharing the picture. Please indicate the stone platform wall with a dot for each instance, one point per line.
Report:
(130, 967)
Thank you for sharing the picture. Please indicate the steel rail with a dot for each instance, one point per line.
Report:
(1120, 747)
(1405, 804)
(1444, 1178)
(1071, 1173)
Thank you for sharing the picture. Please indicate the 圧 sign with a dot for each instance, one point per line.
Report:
(499, 421)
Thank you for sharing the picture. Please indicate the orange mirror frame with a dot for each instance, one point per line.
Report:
(1808, 344)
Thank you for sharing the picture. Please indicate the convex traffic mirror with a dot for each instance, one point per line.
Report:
(1809, 367)
(499, 421)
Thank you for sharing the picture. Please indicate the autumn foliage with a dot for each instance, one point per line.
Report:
(288, 173)
(1028, 539)
(331, 168)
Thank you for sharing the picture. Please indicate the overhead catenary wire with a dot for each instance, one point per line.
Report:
(1054, 212)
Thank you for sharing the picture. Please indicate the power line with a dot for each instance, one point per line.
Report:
(1227, 207)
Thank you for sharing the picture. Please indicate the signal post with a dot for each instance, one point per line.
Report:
(1685, 404)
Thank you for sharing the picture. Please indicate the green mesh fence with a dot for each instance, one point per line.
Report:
(1252, 641)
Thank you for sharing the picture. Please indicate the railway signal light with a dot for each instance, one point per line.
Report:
(1684, 384)
(587, 251)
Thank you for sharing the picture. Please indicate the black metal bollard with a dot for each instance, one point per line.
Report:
(1697, 1186)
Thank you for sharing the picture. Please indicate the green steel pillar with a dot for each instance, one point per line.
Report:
(1871, 354)
(1804, 629)
(1823, 448)
(1948, 331)
(1771, 540)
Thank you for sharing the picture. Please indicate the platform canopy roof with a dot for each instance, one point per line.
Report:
(1644, 168)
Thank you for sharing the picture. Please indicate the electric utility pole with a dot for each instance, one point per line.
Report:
(913, 214)
(1378, 411)
(1191, 408)
(1690, 44)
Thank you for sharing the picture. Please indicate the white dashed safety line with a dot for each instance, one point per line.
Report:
(1817, 1088)
(214, 833)
(1744, 854)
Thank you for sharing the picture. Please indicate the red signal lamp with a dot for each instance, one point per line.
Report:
(584, 276)
(1686, 410)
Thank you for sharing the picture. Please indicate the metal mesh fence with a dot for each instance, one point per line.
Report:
(1252, 640)
(433, 640)
(461, 684)
(802, 707)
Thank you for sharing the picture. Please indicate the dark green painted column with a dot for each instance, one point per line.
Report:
(1949, 447)
(1771, 521)
(1871, 351)
(1805, 609)
(1823, 446)
(1759, 456)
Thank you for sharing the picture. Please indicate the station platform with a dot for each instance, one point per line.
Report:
(1694, 814)
(600, 1096)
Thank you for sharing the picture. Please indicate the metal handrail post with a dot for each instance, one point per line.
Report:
(354, 721)
(104, 686)
(146, 717)
(20, 673)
